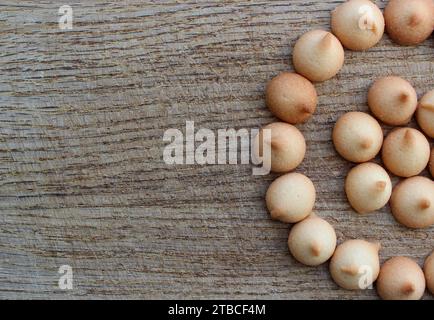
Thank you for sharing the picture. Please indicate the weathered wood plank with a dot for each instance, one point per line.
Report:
(83, 183)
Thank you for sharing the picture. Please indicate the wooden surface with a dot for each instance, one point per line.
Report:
(83, 181)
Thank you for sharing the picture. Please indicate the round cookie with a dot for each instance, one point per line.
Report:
(286, 146)
(291, 97)
(312, 241)
(428, 269)
(357, 136)
(409, 22)
(318, 55)
(406, 152)
(400, 279)
(425, 114)
(392, 100)
(358, 24)
(355, 264)
(291, 197)
(368, 187)
(412, 202)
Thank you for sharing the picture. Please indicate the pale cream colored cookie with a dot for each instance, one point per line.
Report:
(406, 152)
(355, 264)
(318, 55)
(357, 136)
(312, 241)
(291, 97)
(392, 100)
(412, 202)
(291, 197)
(368, 187)
(425, 114)
(359, 24)
(400, 278)
(428, 269)
(287, 146)
(409, 22)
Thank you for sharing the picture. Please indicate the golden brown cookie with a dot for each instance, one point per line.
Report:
(406, 152)
(400, 278)
(425, 114)
(428, 269)
(412, 202)
(392, 100)
(291, 97)
(409, 22)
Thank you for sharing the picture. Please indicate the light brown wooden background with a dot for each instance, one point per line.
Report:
(83, 182)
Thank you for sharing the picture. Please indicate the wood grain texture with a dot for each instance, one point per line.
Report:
(83, 181)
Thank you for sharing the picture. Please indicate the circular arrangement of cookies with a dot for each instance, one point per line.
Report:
(358, 137)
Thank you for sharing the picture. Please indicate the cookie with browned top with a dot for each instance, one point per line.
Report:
(291, 97)
(409, 22)
(406, 152)
(392, 100)
(400, 278)
(412, 202)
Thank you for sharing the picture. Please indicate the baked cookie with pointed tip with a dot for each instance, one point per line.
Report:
(409, 22)
(425, 114)
(290, 198)
(368, 187)
(358, 24)
(428, 270)
(312, 241)
(352, 260)
(392, 100)
(357, 136)
(291, 97)
(406, 152)
(287, 147)
(400, 278)
(318, 55)
(412, 202)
